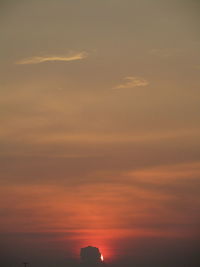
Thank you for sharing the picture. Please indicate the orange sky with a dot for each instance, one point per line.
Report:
(99, 128)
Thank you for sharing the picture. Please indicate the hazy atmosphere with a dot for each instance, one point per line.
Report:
(100, 132)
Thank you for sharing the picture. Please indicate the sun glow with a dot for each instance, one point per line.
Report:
(101, 257)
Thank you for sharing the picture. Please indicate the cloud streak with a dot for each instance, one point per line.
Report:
(41, 59)
(131, 82)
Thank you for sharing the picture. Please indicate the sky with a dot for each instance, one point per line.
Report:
(99, 132)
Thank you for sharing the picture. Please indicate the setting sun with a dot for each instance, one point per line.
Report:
(99, 133)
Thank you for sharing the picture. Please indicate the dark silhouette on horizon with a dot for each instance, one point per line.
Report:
(90, 256)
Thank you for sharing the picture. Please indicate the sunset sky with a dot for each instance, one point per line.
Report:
(100, 130)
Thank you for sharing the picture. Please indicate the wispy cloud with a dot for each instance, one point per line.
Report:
(166, 53)
(131, 82)
(40, 59)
